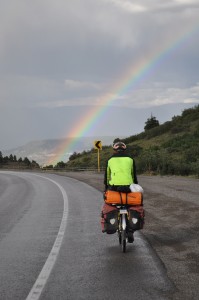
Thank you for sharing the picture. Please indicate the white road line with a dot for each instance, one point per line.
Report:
(38, 287)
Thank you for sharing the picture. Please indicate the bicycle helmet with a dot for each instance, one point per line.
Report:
(119, 146)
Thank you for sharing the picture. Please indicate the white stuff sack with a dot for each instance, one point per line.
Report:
(136, 188)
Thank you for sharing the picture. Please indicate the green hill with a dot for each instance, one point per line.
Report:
(171, 148)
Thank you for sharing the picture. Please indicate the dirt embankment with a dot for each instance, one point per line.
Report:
(172, 226)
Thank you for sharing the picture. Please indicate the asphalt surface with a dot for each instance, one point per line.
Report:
(31, 210)
(171, 226)
(50, 234)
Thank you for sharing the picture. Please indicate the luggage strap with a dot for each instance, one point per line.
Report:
(121, 198)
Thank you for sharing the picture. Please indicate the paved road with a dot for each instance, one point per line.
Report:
(50, 235)
(171, 225)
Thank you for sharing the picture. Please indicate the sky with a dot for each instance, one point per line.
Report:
(59, 59)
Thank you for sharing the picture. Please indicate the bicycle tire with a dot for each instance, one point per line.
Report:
(124, 246)
(120, 237)
(123, 241)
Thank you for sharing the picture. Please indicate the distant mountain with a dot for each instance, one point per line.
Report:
(43, 151)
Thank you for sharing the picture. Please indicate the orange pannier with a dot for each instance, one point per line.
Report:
(112, 197)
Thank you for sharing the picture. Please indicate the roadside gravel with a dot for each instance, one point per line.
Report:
(171, 226)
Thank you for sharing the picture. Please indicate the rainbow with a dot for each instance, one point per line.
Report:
(134, 75)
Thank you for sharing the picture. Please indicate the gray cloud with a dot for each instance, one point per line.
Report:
(63, 53)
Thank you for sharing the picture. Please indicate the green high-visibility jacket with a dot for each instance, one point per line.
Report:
(120, 170)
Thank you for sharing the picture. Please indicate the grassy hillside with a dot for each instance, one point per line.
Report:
(170, 148)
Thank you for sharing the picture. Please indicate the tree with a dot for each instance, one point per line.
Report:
(60, 165)
(6, 159)
(151, 123)
(74, 156)
(1, 157)
(34, 164)
(27, 162)
(11, 158)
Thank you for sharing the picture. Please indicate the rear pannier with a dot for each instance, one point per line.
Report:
(109, 219)
(112, 197)
(135, 218)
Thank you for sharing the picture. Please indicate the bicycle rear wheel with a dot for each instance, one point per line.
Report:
(123, 241)
(120, 237)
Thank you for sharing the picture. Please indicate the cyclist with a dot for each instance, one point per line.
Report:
(120, 172)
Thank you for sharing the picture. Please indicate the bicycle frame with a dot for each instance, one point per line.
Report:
(123, 213)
